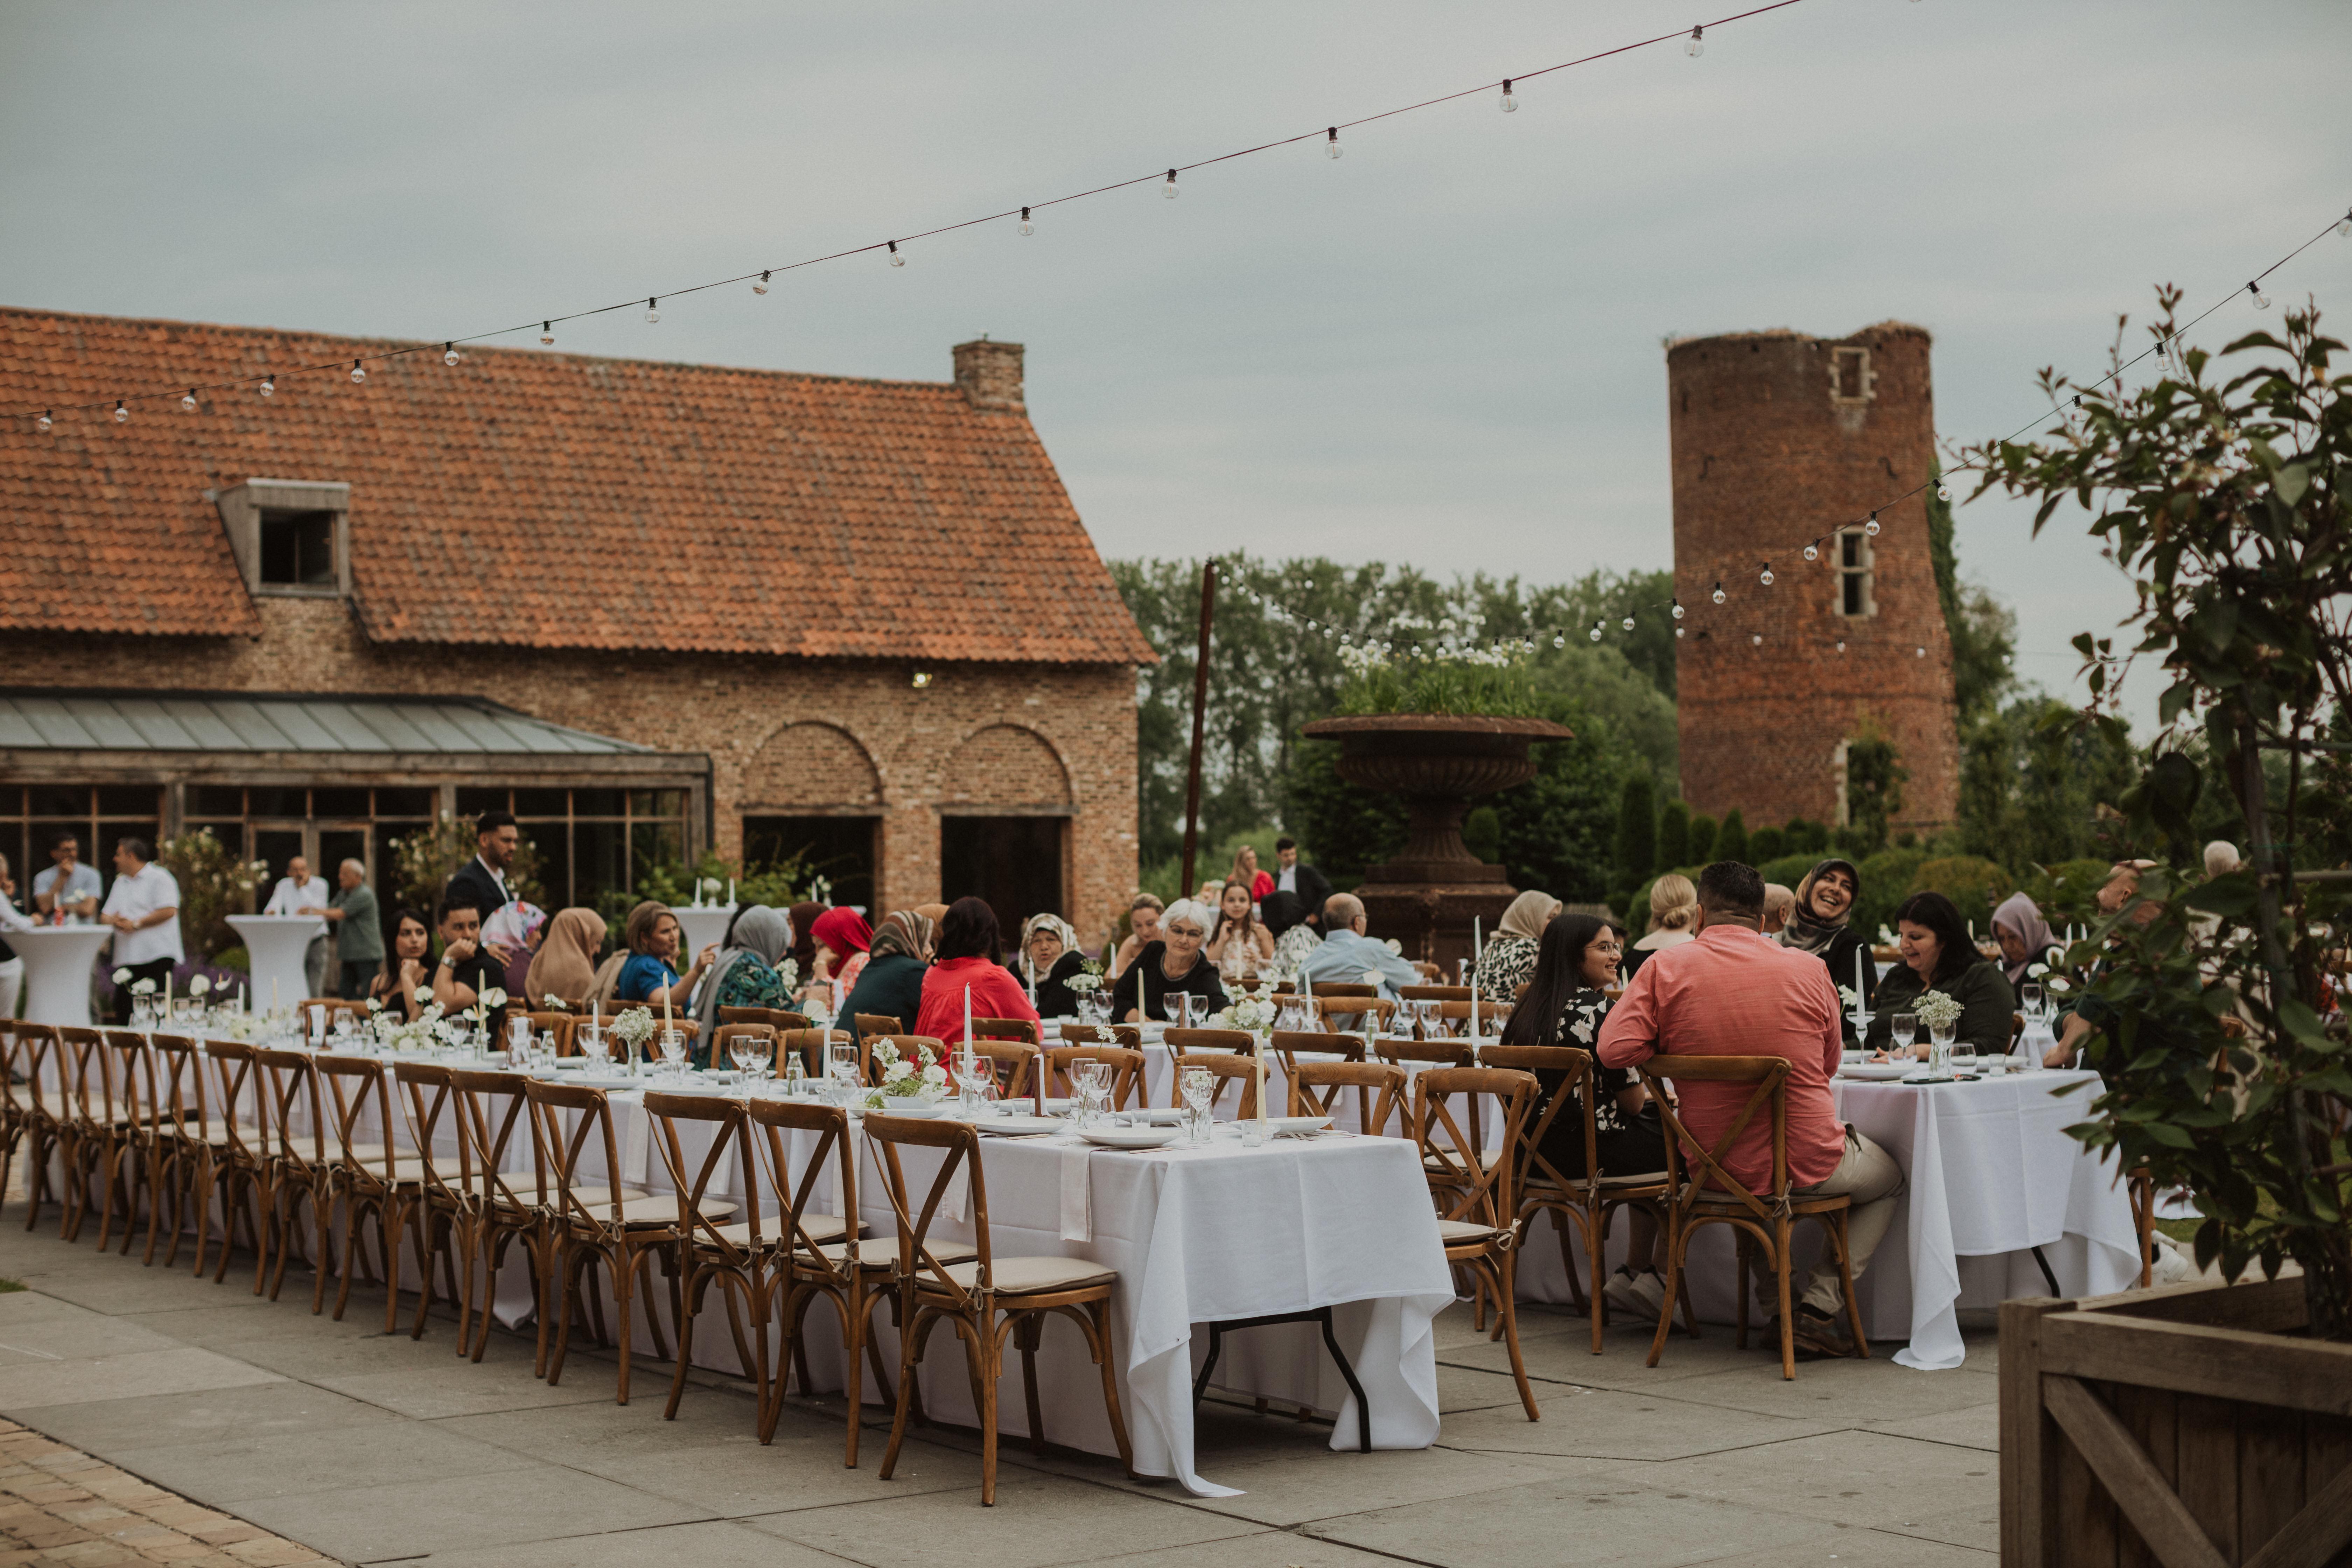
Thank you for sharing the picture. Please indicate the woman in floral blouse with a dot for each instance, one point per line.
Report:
(1576, 964)
(1508, 961)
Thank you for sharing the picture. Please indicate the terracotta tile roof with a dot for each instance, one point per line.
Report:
(549, 500)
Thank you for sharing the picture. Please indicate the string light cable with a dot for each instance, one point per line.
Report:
(761, 279)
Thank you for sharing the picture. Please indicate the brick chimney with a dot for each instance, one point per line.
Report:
(989, 374)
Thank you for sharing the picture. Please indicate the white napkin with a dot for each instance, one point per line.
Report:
(1077, 1204)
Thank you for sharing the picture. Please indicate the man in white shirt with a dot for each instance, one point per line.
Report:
(1350, 957)
(68, 882)
(300, 893)
(11, 968)
(143, 908)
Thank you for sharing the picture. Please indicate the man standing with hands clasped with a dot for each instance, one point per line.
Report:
(1733, 992)
(143, 908)
(299, 893)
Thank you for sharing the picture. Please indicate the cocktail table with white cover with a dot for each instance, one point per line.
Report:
(57, 960)
(274, 946)
(700, 925)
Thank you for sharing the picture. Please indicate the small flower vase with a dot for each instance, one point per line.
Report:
(1940, 1050)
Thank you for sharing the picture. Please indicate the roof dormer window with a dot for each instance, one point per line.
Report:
(290, 537)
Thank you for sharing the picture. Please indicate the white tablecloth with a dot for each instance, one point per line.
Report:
(58, 961)
(274, 946)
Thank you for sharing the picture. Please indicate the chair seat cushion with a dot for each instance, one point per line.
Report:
(821, 1227)
(1034, 1276)
(657, 1210)
(882, 1252)
(1461, 1160)
(1638, 1179)
(1463, 1232)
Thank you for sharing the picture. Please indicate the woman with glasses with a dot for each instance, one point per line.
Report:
(1174, 964)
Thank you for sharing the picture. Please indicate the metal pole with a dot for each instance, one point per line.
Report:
(1200, 714)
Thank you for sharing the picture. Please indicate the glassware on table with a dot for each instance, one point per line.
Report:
(1199, 1086)
(1940, 1051)
(596, 1046)
(1905, 1035)
(2030, 1001)
(842, 1071)
(1431, 1015)
(1091, 1084)
(673, 1050)
(975, 1074)
(1963, 1054)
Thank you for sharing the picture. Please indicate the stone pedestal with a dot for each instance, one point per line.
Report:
(1427, 897)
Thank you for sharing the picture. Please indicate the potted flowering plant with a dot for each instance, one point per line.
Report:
(907, 1085)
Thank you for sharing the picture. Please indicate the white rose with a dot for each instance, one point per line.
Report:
(121, 977)
(2059, 983)
(199, 984)
(554, 1003)
(423, 994)
(935, 1075)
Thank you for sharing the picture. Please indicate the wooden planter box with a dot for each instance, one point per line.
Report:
(2183, 1428)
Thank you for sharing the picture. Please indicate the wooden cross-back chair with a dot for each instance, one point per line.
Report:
(809, 1045)
(233, 1164)
(436, 1206)
(1013, 1063)
(1344, 988)
(83, 1129)
(738, 1255)
(1007, 1029)
(1707, 1194)
(564, 1027)
(183, 1128)
(1478, 1198)
(35, 1105)
(1381, 1094)
(1576, 1190)
(864, 1024)
(1230, 1069)
(988, 1299)
(1440, 1053)
(1128, 1035)
(126, 1124)
(296, 1171)
(1435, 993)
(366, 1180)
(1364, 1015)
(1125, 1070)
(497, 1207)
(593, 1221)
(722, 1055)
(776, 1019)
(820, 1256)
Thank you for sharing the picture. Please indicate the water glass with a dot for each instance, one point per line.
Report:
(841, 1066)
(973, 1074)
(673, 1050)
(1963, 1057)
(1904, 1034)
(596, 1046)
(1199, 1086)
(2030, 1001)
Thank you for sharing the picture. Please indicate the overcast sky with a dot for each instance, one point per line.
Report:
(1443, 348)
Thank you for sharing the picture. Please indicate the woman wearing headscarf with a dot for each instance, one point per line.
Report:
(843, 940)
(891, 983)
(566, 965)
(1818, 925)
(1509, 959)
(1049, 956)
(744, 974)
(2025, 936)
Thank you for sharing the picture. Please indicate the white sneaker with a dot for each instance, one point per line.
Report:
(1638, 1296)
(2171, 1265)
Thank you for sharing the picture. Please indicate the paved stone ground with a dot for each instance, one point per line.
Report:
(374, 1449)
(64, 1507)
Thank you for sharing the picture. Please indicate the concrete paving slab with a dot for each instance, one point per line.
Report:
(230, 1474)
(1845, 1478)
(91, 1337)
(1855, 1391)
(1267, 1549)
(1853, 1548)
(1976, 1526)
(439, 1389)
(417, 1519)
(1602, 1424)
(78, 1381)
(1567, 1522)
(209, 1415)
(712, 1545)
(1038, 1520)
(1973, 1427)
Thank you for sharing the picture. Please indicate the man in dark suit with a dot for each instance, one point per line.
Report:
(482, 881)
(1298, 876)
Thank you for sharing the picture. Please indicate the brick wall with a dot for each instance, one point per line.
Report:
(1771, 446)
(784, 736)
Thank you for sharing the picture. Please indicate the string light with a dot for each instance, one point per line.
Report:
(1943, 489)
(1765, 576)
(1696, 45)
(188, 404)
(1629, 623)
(1596, 631)
(1331, 148)
(1678, 633)
(1870, 528)
(1840, 644)
(1510, 105)
(546, 334)
(762, 285)
(1813, 552)
(1026, 227)
(1720, 595)
(44, 424)
(359, 373)
(1168, 190)
(1755, 640)
(1679, 611)
(270, 386)
(2344, 229)
(449, 354)
(122, 414)
(1559, 642)
(2262, 300)
(1921, 653)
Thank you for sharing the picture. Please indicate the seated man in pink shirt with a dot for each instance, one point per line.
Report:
(1735, 993)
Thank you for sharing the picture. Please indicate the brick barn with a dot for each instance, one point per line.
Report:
(651, 609)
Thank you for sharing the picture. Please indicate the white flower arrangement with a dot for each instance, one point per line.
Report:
(1938, 1011)
(375, 1003)
(709, 887)
(1371, 977)
(2036, 971)
(1088, 980)
(2060, 982)
(121, 978)
(788, 970)
(551, 1003)
(923, 1078)
(200, 985)
(1886, 938)
(1846, 994)
(634, 1027)
(422, 994)
(143, 988)
(1248, 1013)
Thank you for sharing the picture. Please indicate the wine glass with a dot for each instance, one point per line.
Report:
(673, 1050)
(1905, 1035)
(597, 1046)
(1200, 1085)
(975, 1074)
(841, 1066)
(741, 1050)
(2030, 1001)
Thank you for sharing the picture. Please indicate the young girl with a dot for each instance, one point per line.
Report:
(1241, 940)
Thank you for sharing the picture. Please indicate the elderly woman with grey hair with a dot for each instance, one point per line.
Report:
(1170, 965)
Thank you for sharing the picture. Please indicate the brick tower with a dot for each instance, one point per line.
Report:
(1777, 438)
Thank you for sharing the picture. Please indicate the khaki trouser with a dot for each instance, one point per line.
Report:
(1869, 1176)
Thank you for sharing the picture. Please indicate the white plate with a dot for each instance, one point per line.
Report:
(1018, 1126)
(1878, 1072)
(918, 1112)
(1025, 1106)
(1154, 1116)
(1296, 1126)
(1131, 1137)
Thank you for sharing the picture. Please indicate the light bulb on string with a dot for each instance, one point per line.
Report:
(1695, 44)
(449, 355)
(1679, 611)
(1331, 148)
(1509, 103)
(122, 414)
(1755, 640)
(1168, 190)
(1840, 644)
(1596, 631)
(1559, 642)
(1026, 227)
(2262, 300)
(359, 373)
(270, 386)
(652, 310)
(2343, 228)
(546, 334)
(188, 404)
(45, 424)
(762, 285)
(1943, 489)
(1813, 552)
(1919, 653)
(1678, 632)
(1870, 528)
(1719, 596)
(1765, 576)
(1629, 623)
(896, 259)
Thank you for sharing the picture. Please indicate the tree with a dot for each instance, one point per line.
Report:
(1875, 776)
(2226, 503)
(2032, 779)
(1674, 836)
(1731, 838)
(214, 885)
(1703, 832)
(1637, 832)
